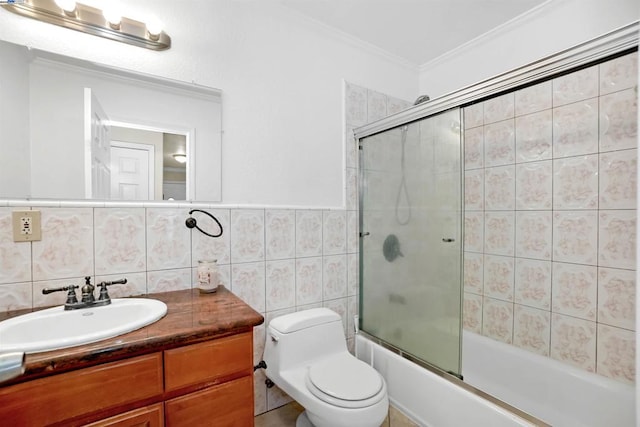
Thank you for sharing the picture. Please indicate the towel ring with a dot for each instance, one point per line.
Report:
(192, 223)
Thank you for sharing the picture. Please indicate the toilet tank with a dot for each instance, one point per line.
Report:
(301, 337)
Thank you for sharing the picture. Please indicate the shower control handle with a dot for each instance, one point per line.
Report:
(448, 240)
(364, 234)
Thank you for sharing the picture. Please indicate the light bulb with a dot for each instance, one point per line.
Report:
(113, 16)
(154, 27)
(67, 5)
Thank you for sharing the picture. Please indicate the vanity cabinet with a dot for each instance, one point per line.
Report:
(201, 384)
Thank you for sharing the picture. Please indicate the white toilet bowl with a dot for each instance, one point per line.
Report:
(307, 357)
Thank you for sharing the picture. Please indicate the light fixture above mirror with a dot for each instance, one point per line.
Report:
(108, 23)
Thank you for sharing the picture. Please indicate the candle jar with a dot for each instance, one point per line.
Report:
(208, 278)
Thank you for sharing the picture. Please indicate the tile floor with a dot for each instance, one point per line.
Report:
(286, 415)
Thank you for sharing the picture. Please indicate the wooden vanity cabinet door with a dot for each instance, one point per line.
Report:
(149, 416)
(226, 405)
(208, 361)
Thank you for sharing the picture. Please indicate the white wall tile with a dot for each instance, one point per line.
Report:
(472, 313)
(575, 236)
(168, 239)
(619, 74)
(334, 277)
(474, 190)
(280, 284)
(120, 240)
(618, 179)
(308, 233)
(168, 280)
(532, 329)
(576, 86)
(575, 129)
(497, 320)
(617, 354)
(376, 105)
(334, 232)
(533, 98)
(573, 341)
(617, 239)
(619, 120)
(248, 283)
(206, 247)
(474, 115)
(280, 228)
(15, 258)
(533, 283)
(247, 235)
(473, 272)
(499, 233)
(575, 183)
(534, 185)
(16, 296)
(355, 104)
(474, 231)
(66, 248)
(499, 108)
(499, 277)
(534, 234)
(308, 280)
(499, 143)
(474, 148)
(575, 290)
(499, 188)
(534, 137)
(617, 297)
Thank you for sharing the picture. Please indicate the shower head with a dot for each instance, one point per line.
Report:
(421, 99)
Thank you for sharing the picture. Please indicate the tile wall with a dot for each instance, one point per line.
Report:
(550, 219)
(276, 260)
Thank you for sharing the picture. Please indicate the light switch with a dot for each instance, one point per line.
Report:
(26, 226)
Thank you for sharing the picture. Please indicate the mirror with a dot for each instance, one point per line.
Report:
(80, 130)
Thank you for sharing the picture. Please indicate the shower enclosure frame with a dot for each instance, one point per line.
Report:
(613, 43)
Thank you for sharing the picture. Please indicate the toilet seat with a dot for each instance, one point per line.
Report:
(344, 381)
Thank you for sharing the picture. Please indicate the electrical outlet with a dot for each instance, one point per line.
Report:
(26, 226)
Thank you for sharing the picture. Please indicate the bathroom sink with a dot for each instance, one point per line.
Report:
(54, 328)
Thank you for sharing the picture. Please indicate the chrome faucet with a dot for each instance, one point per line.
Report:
(88, 299)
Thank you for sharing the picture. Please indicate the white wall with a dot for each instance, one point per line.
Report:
(551, 28)
(281, 78)
(14, 123)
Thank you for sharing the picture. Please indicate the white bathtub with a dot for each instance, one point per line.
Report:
(554, 392)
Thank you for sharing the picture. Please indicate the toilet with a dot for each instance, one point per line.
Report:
(306, 356)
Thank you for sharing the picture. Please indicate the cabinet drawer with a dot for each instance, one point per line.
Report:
(225, 405)
(207, 361)
(98, 388)
(149, 416)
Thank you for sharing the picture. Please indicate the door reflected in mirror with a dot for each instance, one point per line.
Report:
(147, 165)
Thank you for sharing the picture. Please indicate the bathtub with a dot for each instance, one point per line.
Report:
(556, 393)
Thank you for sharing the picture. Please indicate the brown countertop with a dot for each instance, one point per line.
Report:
(191, 317)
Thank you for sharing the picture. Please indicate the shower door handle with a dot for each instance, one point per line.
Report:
(448, 239)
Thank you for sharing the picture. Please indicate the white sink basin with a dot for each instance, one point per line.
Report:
(55, 328)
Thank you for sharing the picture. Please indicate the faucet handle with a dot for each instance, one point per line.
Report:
(71, 295)
(104, 294)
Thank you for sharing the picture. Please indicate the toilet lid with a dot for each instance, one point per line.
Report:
(346, 378)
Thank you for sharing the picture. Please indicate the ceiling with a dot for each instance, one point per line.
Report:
(416, 30)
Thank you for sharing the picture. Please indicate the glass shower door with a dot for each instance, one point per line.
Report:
(411, 244)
